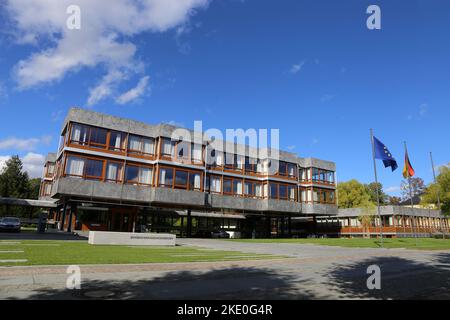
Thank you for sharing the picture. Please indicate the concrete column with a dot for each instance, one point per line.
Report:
(63, 217)
(73, 208)
(289, 226)
(189, 224)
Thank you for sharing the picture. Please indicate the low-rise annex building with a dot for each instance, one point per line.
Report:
(117, 174)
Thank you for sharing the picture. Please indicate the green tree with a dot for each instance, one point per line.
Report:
(443, 187)
(394, 201)
(34, 186)
(372, 191)
(353, 194)
(14, 182)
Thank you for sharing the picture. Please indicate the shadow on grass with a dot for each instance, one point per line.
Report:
(232, 283)
(32, 235)
(400, 278)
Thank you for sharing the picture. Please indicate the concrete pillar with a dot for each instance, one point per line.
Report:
(189, 224)
(63, 217)
(73, 208)
(289, 226)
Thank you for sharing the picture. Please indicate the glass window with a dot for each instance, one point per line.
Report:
(94, 169)
(292, 169)
(116, 141)
(80, 134)
(114, 171)
(98, 137)
(315, 175)
(248, 188)
(292, 190)
(181, 178)
(237, 187)
(131, 174)
(167, 147)
(215, 184)
(75, 166)
(227, 185)
(273, 190)
(166, 177)
(282, 191)
(145, 175)
(194, 181)
(196, 152)
(258, 190)
(282, 168)
(183, 150)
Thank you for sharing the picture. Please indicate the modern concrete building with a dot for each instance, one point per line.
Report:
(118, 174)
(397, 221)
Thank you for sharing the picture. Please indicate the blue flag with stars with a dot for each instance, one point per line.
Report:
(382, 153)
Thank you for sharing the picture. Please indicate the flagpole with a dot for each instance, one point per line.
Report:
(376, 186)
(410, 193)
(437, 190)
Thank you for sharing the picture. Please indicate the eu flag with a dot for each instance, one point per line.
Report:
(382, 153)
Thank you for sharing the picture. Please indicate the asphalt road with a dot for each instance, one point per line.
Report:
(310, 272)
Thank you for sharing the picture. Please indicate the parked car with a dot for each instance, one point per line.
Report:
(10, 224)
(220, 234)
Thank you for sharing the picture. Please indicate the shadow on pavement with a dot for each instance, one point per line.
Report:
(232, 283)
(33, 235)
(400, 278)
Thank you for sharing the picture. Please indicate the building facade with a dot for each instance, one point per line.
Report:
(117, 174)
(396, 221)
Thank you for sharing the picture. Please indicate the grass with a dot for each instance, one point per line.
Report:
(408, 243)
(40, 252)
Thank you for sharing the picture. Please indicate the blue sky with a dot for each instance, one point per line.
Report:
(310, 68)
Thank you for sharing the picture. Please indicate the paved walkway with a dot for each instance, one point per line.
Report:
(310, 272)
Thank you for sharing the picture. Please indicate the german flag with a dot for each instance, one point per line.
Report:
(408, 170)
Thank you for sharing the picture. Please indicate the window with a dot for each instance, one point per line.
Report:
(273, 190)
(50, 169)
(183, 151)
(292, 193)
(282, 168)
(315, 174)
(282, 191)
(141, 145)
(138, 175)
(291, 170)
(250, 164)
(116, 141)
(215, 184)
(196, 152)
(195, 181)
(114, 171)
(181, 178)
(98, 138)
(166, 177)
(167, 147)
(75, 166)
(248, 188)
(79, 134)
(227, 185)
(237, 187)
(93, 169)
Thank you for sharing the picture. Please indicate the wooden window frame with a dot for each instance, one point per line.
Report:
(140, 153)
(139, 166)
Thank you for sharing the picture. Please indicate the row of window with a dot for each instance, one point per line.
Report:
(180, 178)
(146, 147)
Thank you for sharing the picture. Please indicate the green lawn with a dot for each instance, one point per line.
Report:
(80, 252)
(408, 243)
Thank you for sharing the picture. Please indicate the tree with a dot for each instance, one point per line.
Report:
(13, 181)
(394, 201)
(417, 187)
(34, 186)
(353, 194)
(372, 191)
(443, 187)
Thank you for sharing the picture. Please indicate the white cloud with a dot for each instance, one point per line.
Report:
(295, 68)
(33, 163)
(134, 93)
(392, 189)
(106, 87)
(23, 144)
(105, 37)
(314, 141)
(3, 160)
(326, 98)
